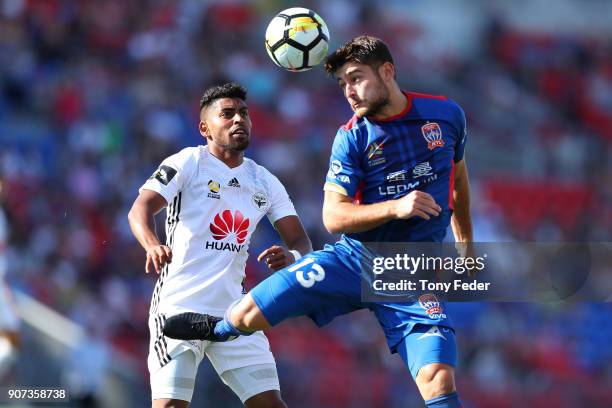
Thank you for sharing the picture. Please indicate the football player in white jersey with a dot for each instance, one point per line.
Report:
(9, 323)
(215, 197)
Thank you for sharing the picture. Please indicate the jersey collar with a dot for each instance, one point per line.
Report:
(399, 115)
(220, 163)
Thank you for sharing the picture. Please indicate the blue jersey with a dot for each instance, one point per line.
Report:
(374, 161)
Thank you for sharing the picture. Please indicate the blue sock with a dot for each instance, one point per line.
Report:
(444, 401)
(225, 330)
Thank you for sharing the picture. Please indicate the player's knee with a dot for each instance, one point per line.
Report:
(435, 380)
(242, 313)
(247, 316)
(268, 399)
(170, 403)
(267, 404)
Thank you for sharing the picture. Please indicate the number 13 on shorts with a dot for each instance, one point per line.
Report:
(315, 274)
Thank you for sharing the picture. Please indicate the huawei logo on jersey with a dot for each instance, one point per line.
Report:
(227, 224)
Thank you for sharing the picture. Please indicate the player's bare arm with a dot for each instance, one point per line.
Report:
(461, 221)
(342, 215)
(142, 222)
(294, 237)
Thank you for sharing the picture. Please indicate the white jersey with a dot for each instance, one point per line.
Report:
(212, 212)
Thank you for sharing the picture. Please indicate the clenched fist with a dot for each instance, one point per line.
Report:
(416, 204)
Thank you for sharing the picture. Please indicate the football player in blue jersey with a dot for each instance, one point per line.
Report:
(397, 174)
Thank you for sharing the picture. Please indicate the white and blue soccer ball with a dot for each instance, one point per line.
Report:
(297, 39)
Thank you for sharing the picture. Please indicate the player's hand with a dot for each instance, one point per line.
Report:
(276, 257)
(157, 257)
(416, 204)
(466, 250)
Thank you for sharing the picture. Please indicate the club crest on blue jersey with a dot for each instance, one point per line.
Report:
(433, 135)
(432, 306)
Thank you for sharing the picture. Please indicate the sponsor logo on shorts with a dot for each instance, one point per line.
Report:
(434, 331)
(432, 306)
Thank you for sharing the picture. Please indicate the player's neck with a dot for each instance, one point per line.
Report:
(397, 104)
(231, 158)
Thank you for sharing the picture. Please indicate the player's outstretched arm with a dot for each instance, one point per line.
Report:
(294, 237)
(342, 215)
(142, 222)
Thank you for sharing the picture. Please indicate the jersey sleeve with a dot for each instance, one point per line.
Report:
(462, 136)
(280, 204)
(344, 174)
(172, 175)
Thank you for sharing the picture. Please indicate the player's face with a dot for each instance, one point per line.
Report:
(226, 124)
(363, 88)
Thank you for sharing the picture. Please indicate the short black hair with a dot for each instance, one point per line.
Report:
(226, 90)
(364, 49)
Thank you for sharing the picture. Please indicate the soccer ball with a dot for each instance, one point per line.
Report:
(297, 39)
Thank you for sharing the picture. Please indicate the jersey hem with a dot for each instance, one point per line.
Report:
(158, 191)
(329, 186)
(272, 221)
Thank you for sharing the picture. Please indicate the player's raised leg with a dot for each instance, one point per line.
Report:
(243, 318)
(288, 293)
(318, 285)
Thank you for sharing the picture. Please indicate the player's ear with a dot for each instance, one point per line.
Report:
(387, 71)
(204, 131)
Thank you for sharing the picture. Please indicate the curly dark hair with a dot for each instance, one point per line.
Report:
(364, 49)
(227, 90)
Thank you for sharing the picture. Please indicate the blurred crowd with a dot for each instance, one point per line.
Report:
(94, 94)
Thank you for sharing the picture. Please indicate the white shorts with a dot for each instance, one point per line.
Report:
(246, 364)
(8, 312)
